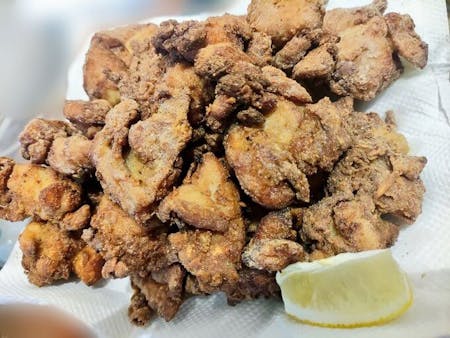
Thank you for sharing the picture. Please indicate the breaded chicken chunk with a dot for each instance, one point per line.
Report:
(407, 42)
(345, 222)
(51, 254)
(109, 58)
(127, 247)
(252, 284)
(272, 166)
(212, 257)
(47, 253)
(358, 52)
(274, 246)
(137, 178)
(87, 116)
(283, 19)
(375, 166)
(57, 144)
(162, 292)
(216, 198)
(35, 191)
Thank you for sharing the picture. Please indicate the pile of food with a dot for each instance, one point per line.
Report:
(213, 154)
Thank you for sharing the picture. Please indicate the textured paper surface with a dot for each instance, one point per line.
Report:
(421, 101)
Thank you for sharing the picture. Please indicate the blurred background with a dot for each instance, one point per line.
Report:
(39, 41)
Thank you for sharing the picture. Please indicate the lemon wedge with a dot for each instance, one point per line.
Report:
(347, 290)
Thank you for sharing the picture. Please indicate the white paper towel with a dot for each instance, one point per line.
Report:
(421, 100)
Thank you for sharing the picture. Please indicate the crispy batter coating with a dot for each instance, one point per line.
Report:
(57, 144)
(274, 246)
(364, 60)
(138, 178)
(127, 247)
(252, 284)
(51, 254)
(373, 167)
(212, 257)
(162, 291)
(406, 41)
(272, 167)
(109, 57)
(32, 190)
(87, 265)
(38, 135)
(216, 198)
(344, 222)
(242, 84)
(283, 19)
(179, 80)
(260, 49)
(292, 52)
(316, 64)
(47, 253)
(184, 40)
(87, 116)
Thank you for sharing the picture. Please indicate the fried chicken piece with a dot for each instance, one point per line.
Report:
(158, 142)
(216, 198)
(212, 257)
(180, 41)
(139, 312)
(103, 67)
(47, 253)
(338, 20)
(345, 222)
(392, 179)
(215, 61)
(38, 135)
(32, 190)
(162, 291)
(127, 247)
(87, 265)
(273, 247)
(365, 60)
(407, 42)
(260, 49)
(6, 168)
(228, 28)
(180, 79)
(272, 167)
(144, 72)
(252, 284)
(183, 40)
(51, 254)
(242, 84)
(316, 64)
(87, 116)
(292, 52)
(70, 156)
(282, 20)
(109, 56)
(138, 178)
(57, 144)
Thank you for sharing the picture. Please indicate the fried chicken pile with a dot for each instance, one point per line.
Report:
(213, 154)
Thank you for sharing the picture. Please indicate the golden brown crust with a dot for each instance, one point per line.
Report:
(297, 15)
(127, 247)
(163, 293)
(271, 166)
(406, 41)
(47, 253)
(216, 198)
(87, 265)
(345, 223)
(274, 246)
